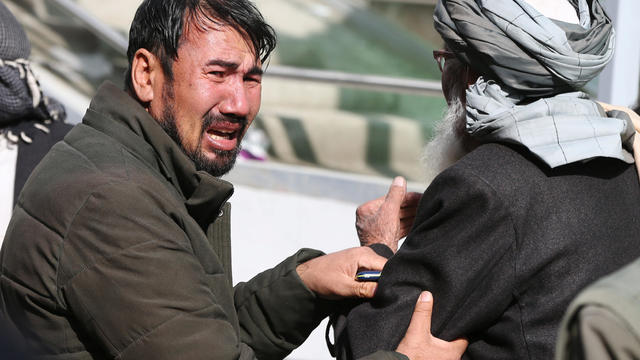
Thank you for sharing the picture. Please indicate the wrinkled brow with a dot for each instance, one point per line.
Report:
(225, 64)
(255, 70)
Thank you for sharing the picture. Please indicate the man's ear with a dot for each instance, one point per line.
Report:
(145, 71)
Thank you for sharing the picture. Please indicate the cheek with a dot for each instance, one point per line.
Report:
(193, 106)
(190, 128)
(254, 96)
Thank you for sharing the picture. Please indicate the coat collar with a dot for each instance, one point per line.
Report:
(118, 115)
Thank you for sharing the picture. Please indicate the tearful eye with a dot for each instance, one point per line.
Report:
(256, 80)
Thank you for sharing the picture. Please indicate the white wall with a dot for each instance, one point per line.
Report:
(269, 225)
(619, 81)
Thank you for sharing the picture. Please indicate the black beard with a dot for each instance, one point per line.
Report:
(225, 159)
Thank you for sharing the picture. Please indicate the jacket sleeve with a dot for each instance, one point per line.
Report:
(134, 286)
(276, 311)
(460, 249)
(598, 333)
(603, 321)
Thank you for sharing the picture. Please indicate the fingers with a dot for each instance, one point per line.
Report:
(396, 195)
(459, 346)
(635, 118)
(407, 218)
(605, 106)
(364, 290)
(632, 114)
(418, 343)
(407, 213)
(411, 199)
(370, 206)
(404, 230)
(370, 260)
(421, 318)
(636, 152)
(409, 207)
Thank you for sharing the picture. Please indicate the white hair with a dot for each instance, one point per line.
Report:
(448, 144)
(556, 9)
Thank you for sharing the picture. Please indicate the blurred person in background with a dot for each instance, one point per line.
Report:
(119, 246)
(536, 195)
(30, 122)
(603, 322)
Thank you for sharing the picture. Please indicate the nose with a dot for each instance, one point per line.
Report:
(235, 102)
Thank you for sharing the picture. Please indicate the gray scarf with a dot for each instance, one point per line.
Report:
(526, 53)
(527, 56)
(21, 98)
(559, 130)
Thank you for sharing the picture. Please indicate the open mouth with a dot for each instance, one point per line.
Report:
(222, 134)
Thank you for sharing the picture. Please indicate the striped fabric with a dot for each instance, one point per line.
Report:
(375, 144)
(560, 130)
(511, 43)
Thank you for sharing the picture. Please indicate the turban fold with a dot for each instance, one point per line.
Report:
(528, 54)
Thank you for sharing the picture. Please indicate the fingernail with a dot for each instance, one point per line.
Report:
(425, 297)
(398, 181)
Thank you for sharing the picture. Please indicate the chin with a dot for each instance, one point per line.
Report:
(217, 163)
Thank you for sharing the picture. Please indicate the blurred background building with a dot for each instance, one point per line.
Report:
(349, 98)
(322, 86)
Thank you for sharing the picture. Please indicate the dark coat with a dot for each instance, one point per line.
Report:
(29, 155)
(504, 243)
(113, 252)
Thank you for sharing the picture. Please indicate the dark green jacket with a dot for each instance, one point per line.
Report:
(113, 252)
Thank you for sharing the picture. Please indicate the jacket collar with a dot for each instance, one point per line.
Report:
(118, 115)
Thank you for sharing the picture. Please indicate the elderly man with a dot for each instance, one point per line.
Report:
(119, 244)
(544, 199)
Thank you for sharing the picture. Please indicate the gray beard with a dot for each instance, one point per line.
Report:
(450, 141)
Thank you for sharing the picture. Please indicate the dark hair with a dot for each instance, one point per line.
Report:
(159, 24)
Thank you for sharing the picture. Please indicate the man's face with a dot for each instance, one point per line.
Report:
(213, 97)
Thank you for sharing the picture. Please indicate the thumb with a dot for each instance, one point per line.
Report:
(636, 151)
(421, 318)
(370, 260)
(364, 290)
(459, 346)
(396, 194)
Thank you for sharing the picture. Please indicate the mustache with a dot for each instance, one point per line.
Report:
(210, 119)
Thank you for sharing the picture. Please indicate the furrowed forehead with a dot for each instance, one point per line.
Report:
(202, 20)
